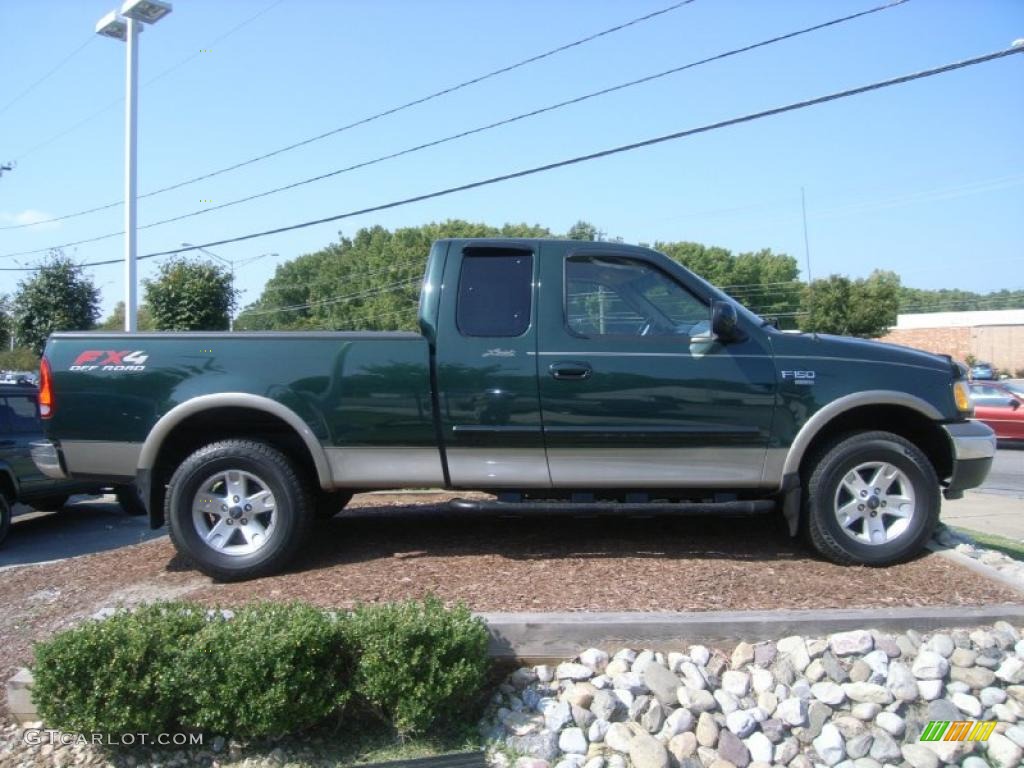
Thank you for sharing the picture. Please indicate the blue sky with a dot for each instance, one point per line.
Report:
(926, 179)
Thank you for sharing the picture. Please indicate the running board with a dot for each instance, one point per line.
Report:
(725, 508)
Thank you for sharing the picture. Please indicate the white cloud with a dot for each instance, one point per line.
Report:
(29, 216)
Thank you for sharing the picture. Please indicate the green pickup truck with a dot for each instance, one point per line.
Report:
(550, 373)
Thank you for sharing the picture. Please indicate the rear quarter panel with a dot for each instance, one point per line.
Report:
(351, 389)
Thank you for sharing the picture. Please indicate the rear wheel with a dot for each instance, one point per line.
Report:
(871, 498)
(238, 509)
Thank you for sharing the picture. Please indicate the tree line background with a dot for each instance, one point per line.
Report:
(371, 282)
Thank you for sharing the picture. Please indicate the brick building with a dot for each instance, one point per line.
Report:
(994, 336)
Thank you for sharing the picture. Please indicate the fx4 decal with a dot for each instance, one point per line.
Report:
(110, 360)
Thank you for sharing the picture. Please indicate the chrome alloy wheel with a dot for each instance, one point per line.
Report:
(234, 512)
(875, 503)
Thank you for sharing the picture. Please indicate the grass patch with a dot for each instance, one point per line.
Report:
(1009, 547)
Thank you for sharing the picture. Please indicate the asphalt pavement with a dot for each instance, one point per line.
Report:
(86, 525)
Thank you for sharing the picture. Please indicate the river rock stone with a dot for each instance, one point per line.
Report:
(786, 750)
(540, 745)
(692, 676)
(572, 740)
(743, 654)
(582, 717)
(653, 717)
(736, 682)
(792, 711)
(682, 746)
(760, 748)
(597, 731)
(662, 683)
(837, 671)
(618, 737)
(764, 653)
(976, 678)
(581, 694)
(1010, 671)
(929, 689)
(967, 704)
(884, 748)
(942, 644)
(645, 751)
(919, 756)
(795, 648)
(943, 709)
(741, 723)
(991, 696)
(847, 643)
(707, 730)
(1002, 752)
(571, 671)
(606, 705)
(732, 749)
(891, 723)
(829, 744)
(901, 682)
(828, 692)
(859, 745)
(868, 692)
(929, 666)
(595, 659)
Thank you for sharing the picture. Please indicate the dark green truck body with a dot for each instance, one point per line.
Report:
(589, 368)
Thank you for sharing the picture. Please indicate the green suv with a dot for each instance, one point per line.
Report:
(20, 480)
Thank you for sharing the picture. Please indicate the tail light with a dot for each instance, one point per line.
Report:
(46, 404)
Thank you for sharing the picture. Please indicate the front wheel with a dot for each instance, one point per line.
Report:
(871, 498)
(238, 509)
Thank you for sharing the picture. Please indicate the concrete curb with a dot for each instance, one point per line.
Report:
(537, 637)
(976, 566)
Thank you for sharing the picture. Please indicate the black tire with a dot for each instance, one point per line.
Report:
(293, 510)
(130, 500)
(5, 516)
(826, 471)
(50, 503)
(331, 503)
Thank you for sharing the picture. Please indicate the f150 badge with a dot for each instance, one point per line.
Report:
(110, 360)
(804, 378)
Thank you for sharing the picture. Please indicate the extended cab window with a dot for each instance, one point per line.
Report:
(495, 292)
(613, 296)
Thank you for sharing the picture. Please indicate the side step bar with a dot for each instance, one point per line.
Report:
(725, 508)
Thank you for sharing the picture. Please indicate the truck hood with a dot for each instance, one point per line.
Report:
(825, 345)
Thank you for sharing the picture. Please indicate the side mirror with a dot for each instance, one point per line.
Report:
(724, 323)
(1014, 403)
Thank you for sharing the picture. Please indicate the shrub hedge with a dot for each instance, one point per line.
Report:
(419, 664)
(269, 669)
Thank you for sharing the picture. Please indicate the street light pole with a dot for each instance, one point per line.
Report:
(130, 156)
(126, 25)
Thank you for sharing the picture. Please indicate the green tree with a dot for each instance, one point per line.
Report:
(18, 359)
(367, 282)
(57, 297)
(582, 230)
(6, 321)
(864, 307)
(115, 320)
(189, 295)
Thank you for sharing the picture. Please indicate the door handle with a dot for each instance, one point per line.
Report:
(570, 370)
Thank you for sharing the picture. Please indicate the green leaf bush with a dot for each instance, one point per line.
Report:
(122, 674)
(269, 669)
(419, 664)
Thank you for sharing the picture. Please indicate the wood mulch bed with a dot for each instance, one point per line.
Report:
(390, 547)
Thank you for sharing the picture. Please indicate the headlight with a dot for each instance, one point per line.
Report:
(962, 396)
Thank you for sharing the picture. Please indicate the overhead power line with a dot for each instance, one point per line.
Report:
(480, 129)
(47, 76)
(751, 117)
(361, 121)
(109, 105)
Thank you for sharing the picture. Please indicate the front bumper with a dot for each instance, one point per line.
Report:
(46, 457)
(974, 448)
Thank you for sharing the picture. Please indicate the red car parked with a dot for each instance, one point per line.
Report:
(999, 407)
